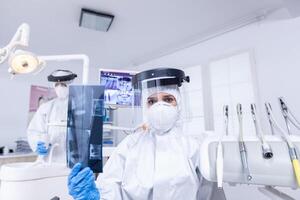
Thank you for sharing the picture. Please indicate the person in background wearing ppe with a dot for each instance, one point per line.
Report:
(49, 124)
(160, 164)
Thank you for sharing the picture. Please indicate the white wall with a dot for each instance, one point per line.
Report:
(276, 52)
(232, 83)
(193, 102)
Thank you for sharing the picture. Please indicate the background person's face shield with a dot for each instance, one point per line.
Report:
(60, 81)
(159, 103)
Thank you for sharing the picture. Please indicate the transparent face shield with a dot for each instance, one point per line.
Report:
(60, 81)
(159, 104)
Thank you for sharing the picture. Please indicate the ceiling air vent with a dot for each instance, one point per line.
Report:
(95, 20)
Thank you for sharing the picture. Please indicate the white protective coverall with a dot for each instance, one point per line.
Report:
(49, 125)
(151, 166)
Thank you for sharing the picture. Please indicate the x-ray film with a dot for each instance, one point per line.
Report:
(85, 126)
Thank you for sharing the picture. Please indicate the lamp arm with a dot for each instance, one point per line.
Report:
(83, 57)
(20, 38)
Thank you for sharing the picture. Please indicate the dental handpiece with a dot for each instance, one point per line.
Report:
(284, 111)
(291, 147)
(220, 157)
(242, 147)
(288, 115)
(266, 149)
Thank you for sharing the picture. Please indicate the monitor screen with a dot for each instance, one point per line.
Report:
(118, 87)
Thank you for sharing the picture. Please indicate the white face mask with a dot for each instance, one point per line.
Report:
(62, 92)
(162, 116)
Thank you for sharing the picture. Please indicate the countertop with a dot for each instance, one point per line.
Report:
(17, 155)
(107, 151)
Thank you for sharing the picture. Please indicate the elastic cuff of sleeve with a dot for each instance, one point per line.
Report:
(94, 195)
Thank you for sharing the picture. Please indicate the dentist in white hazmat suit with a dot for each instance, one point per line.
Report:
(160, 162)
(48, 126)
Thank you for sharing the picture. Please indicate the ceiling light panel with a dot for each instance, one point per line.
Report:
(95, 20)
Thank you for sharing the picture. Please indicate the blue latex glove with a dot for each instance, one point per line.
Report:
(41, 149)
(81, 184)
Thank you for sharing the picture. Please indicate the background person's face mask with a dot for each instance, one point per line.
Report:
(62, 92)
(162, 116)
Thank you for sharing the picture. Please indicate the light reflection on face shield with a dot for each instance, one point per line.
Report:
(161, 96)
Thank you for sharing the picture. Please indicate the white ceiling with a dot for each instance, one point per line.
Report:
(141, 29)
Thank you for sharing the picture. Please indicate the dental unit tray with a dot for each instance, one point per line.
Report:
(277, 171)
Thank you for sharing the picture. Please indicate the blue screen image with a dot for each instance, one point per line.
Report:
(118, 88)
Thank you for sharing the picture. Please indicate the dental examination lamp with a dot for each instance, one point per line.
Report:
(24, 62)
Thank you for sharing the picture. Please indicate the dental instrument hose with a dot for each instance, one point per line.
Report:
(266, 149)
(220, 156)
(291, 147)
(242, 146)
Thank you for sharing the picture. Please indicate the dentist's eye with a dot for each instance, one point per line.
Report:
(151, 101)
(169, 99)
